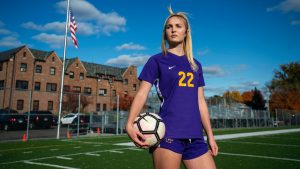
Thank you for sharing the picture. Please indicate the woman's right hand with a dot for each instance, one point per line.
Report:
(136, 136)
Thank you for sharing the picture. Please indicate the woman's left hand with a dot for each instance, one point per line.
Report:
(213, 146)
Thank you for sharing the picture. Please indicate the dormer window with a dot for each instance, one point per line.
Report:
(53, 59)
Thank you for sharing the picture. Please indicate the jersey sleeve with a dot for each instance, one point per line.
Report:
(201, 82)
(150, 71)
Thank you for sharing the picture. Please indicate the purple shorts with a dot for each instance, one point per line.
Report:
(188, 148)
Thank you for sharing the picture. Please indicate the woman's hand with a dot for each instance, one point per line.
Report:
(136, 136)
(213, 146)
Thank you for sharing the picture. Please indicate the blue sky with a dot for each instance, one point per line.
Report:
(239, 43)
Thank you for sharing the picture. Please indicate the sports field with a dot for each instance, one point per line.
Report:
(277, 151)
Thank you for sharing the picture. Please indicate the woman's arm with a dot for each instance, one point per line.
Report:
(205, 119)
(136, 107)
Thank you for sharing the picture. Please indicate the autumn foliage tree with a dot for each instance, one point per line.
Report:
(247, 97)
(233, 95)
(285, 87)
(70, 102)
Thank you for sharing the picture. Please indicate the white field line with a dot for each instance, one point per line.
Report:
(256, 156)
(91, 154)
(281, 138)
(64, 158)
(49, 165)
(97, 145)
(259, 133)
(27, 152)
(258, 143)
(136, 149)
(119, 152)
(66, 155)
(54, 149)
(29, 148)
(231, 136)
(86, 142)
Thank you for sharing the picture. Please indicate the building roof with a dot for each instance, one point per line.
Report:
(38, 54)
(93, 69)
(6, 55)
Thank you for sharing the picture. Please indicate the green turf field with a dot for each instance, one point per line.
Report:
(278, 151)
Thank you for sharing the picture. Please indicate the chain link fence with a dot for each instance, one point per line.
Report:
(34, 114)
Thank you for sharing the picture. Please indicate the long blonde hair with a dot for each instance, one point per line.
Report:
(187, 43)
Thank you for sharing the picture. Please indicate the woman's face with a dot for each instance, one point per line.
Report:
(175, 30)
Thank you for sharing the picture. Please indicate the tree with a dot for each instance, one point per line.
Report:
(70, 102)
(285, 87)
(247, 98)
(258, 101)
(125, 102)
(233, 95)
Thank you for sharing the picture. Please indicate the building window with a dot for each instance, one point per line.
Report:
(81, 76)
(24, 54)
(77, 89)
(52, 71)
(98, 107)
(114, 93)
(125, 93)
(1, 84)
(134, 87)
(51, 87)
(71, 74)
(130, 72)
(21, 85)
(110, 79)
(1, 66)
(87, 90)
(37, 86)
(36, 105)
(53, 59)
(23, 67)
(38, 69)
(67, 88)
(104, 107)
(20, 104)
(125, 81)
(102, 92)
(50, 105)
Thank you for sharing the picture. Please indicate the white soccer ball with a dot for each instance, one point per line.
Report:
(151, 126)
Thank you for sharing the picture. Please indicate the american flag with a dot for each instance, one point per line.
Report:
(73, 28)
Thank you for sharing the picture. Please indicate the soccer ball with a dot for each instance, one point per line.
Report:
(151, 126)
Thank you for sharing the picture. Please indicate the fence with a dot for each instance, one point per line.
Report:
(34, 114)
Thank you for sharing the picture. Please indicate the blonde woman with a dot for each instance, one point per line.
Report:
(178, 78)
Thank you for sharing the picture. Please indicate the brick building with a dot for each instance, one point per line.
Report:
(30, 79)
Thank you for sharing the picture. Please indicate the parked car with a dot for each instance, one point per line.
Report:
(68, 119)
(11, 119)
(39, 119)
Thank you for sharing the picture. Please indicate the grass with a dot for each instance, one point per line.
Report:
(260, 152)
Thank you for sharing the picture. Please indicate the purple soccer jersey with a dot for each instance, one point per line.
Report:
(177, 86)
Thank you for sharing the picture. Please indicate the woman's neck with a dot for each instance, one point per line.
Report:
(178, 49)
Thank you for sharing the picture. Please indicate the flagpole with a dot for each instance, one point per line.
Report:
(63, 71)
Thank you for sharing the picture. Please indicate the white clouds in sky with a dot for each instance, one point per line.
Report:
(127, 60)
(130, 46)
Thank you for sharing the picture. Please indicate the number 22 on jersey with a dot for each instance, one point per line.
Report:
(184, 75)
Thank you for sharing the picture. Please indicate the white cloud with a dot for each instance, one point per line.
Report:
(130, 46)
(4, 31)
(59, 27)
(10, 41)
(295, 22)
(204, 52)
(1, 24)
(286, 6)
(127, 60)
(55, 41)
(214, 71)
(244, 86)
(85, 11)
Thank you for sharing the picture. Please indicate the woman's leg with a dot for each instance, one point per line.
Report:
(204, 161)
(166, 159)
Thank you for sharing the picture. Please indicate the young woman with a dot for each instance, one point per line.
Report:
(178, 78)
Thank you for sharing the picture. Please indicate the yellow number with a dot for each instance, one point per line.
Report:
(191, 77)
(182, 78)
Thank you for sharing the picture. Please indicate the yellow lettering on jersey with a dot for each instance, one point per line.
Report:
(183, 76)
